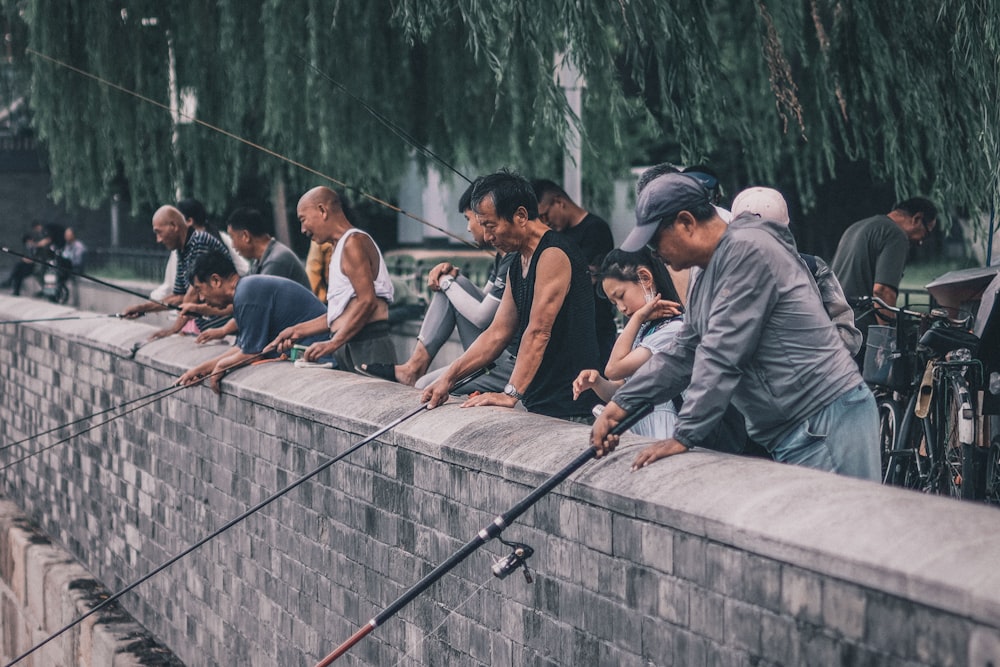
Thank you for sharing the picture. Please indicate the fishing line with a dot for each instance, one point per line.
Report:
(53, 265)
(173, 389)
(443, 621)
(393, 127)
(61, 319)
(514, 561)
(83, 419)
(232, 522)
(166, 391)
(251, 144)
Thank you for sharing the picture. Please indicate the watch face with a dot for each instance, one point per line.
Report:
(509, 389)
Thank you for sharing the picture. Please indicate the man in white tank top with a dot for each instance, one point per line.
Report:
(359, 291)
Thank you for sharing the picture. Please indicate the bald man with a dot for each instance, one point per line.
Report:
(358, 294)
(173, 233)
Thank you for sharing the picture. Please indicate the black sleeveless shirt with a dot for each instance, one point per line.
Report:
(573, 345)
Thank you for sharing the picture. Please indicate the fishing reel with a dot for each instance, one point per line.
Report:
(517, 558)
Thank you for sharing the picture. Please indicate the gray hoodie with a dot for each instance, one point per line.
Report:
(756, 333)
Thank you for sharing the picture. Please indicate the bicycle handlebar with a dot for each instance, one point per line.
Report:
(878, 303)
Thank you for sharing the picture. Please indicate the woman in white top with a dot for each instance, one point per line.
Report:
(639, 285)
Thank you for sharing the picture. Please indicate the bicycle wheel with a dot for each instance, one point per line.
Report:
(908, 463)
(890, 416)
(953, 435)
(993, 473)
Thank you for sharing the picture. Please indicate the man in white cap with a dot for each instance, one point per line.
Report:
(768, 204)
(755, 334)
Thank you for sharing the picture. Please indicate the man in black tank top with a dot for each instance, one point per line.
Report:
(546, 316)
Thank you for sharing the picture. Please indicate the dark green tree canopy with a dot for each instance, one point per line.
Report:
(778, 88)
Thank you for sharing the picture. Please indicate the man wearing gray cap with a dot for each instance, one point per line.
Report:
(756, 334)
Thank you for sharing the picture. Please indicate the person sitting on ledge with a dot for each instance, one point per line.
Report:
(358, 294)
(263, 307)
(457, 304)
(546, 315)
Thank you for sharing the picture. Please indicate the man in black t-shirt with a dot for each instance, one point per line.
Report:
(592, 236)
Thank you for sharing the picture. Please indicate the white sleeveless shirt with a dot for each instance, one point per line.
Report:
(340, 291)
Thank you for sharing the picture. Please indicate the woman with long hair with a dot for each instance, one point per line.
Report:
(640, 286)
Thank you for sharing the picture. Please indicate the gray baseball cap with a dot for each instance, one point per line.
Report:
(663, 197)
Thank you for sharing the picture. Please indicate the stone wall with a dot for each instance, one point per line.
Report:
(43, 589)
(702, 559)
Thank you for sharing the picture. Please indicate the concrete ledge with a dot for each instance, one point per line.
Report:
(704, 558)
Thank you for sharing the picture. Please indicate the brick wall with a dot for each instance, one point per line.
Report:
(699, 560)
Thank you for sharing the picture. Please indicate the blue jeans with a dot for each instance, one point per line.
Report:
(841, 437)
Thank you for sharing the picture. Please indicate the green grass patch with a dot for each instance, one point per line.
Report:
(918, 274)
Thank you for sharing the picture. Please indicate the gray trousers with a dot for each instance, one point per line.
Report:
(442, 318)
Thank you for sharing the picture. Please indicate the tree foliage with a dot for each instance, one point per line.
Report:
(777, 88)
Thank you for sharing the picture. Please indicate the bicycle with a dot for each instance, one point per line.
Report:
(926, 378)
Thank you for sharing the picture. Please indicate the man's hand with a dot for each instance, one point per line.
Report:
(490, 398)
(317, 350)
(163, 333)
(193, 376)
(658, 450)
(436, 393)
(132, 312)
(192, 309)
(284, 341)
(208, 335)
(196, 374)
(600, 435)
(441, 270)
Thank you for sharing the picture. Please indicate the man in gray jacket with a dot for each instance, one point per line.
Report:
(756, 334)
(769, 204)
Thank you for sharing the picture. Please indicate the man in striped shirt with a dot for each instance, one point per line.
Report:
(173, 233)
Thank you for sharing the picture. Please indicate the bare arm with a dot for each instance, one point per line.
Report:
(287, 337)
(553, 273)
(887, 294)
(230, 328)
(591, 379)
(359, 263)
(485, 349)
(624, 360)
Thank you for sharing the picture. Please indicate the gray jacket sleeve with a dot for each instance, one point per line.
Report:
(837, 307)
(663, 377)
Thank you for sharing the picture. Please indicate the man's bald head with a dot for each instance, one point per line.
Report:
(170, 227)
(321, 214)
(322, 195)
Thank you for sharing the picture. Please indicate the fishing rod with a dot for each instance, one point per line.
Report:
(63, 319)
(154, 396)
(251, 144)
(124, 404)
(173, 389)
(514, 561)
(393, 127)
(105, 283)
(232, 522)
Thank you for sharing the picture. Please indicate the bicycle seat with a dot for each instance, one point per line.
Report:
(947, 339)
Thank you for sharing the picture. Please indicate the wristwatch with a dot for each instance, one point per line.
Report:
(445, 283)
(511, 391)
